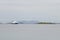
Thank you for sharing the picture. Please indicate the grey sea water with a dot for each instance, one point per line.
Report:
(30, 32)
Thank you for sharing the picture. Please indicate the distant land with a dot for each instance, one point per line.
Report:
(46, 23)
(29, 22)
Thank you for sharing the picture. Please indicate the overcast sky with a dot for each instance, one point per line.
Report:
(43, 10)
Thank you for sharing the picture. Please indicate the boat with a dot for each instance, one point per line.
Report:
(14, 22)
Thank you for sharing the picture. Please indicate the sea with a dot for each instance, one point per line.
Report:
(29, 31)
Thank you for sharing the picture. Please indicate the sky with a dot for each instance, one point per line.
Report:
(42, 10)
